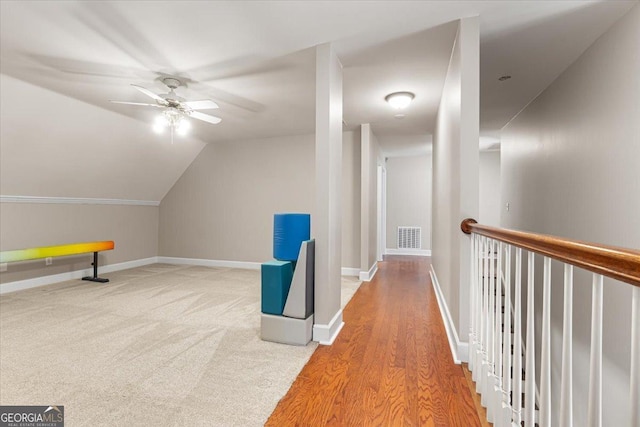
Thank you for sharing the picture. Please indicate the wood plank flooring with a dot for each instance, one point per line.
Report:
(391, 364)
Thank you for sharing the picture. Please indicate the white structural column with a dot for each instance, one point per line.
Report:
(326, 220)
(368, 199)
(455, 175)
(468, 169)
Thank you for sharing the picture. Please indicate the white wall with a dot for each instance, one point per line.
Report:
(570, 168)
(222, 207)
(134, 229)
(55, 146)
(409, 197)
(455, 173)
(490, 207)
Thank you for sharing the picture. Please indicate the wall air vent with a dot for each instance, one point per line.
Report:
(409, 238)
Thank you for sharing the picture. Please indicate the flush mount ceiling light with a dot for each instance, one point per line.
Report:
(399, 100)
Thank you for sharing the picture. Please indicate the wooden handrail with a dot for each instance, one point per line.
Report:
(618, 263)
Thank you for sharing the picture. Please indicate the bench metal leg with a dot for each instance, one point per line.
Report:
(95, 277)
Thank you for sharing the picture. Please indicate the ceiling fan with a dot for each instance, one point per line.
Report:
(175, 109)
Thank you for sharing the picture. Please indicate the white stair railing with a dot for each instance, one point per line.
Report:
(635, 357)
(497, 352)
(566, 385)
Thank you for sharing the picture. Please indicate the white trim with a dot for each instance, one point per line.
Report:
(247, 265)
(348, 271)
(459, 349)
(20, 285)
(75, 201)
(416, 252)
(327, 334)
(367, 276)
(125, 265)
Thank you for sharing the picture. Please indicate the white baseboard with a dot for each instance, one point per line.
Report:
(78, 274)
(247, 265)
(348, 271)
(21, 285)
(326, 334)
(124, 265)
(459, 349)
(415, 252)
(367, 276)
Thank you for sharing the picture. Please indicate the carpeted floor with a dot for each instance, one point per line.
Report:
(158, 345)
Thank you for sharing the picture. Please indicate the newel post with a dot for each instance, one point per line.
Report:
(465, 225)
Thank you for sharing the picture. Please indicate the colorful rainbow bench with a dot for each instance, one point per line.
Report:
(61, 250)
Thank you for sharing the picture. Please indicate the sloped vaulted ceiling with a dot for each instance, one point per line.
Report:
(55, 146)
(61, 63)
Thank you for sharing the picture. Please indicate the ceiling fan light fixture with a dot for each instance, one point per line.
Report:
(183, 126)
(175, 109)
(160, 124)
(400, 100)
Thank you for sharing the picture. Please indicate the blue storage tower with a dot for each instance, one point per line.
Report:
(287, 282)
(276, 280)
(289, 231)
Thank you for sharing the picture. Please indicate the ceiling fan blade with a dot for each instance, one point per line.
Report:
(137, 103)
(227, 98)
(151, 94)
(205, 104)
(205, 117)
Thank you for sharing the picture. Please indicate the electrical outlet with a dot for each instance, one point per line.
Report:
(3, 267)
(48, 261)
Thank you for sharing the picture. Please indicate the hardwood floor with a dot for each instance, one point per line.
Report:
(391, 364)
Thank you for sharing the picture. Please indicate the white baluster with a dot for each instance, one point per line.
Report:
(472, 301)
(530, 370)
(635, 358)
(492, 302)
(497, 349)
(477, 363)
(517, 341)
(545, 364)
(477, 374)
(491, 334)
(485, 321)
(506, 348)
(566, 390)
(595, 365)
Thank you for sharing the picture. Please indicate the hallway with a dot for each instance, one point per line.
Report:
(390, 365)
